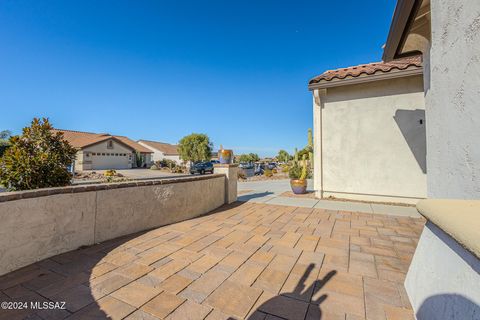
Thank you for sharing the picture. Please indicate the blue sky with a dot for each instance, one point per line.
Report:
(159, 70)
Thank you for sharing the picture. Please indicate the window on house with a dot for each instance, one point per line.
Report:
(109, 144)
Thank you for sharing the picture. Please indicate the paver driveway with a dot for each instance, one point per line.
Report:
(247, 260)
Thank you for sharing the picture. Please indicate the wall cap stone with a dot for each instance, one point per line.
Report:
(460, 219)
(27, 194)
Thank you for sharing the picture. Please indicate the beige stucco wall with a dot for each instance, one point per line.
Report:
(453, 100)
(37, 228)
(45, 225)
(372, 143)
(128, 210)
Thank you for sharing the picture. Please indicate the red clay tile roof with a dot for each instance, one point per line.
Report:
(132, 144)
(369, 69)
(80, 139)
(166, 148)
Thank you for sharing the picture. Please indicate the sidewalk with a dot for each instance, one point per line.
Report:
(269, 192)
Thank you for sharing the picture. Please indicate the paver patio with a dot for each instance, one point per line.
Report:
(247, 260)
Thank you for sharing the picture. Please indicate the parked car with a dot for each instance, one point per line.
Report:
(259, 169)
(272, 165)
(215, 161)
(201, 167)
(245, 165)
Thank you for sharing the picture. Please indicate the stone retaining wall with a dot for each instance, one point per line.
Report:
(42, 223)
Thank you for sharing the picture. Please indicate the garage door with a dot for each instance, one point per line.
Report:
(105, 161)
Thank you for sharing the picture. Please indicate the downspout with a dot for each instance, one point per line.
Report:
(317, 142)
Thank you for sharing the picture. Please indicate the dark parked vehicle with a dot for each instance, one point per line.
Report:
(259, 169)
(272, 165)
(245, 165)
(201, 167)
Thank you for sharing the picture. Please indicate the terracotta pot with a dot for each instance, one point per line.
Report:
(299, 186)
(225, 156)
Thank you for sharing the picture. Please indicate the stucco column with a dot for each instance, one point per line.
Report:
(231, 175)
(318, 94)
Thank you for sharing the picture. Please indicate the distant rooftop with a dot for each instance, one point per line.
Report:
(81, 139)
(166, 148)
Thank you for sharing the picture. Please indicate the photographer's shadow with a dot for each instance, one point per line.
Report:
(296, 304)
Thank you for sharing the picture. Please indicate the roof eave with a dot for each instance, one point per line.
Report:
(412, 71)
(402, 20)
(108, 138)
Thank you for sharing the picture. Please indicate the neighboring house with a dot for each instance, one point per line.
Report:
(162, 150)
(97, 151)
(369, 132)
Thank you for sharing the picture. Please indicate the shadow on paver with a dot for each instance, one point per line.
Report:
(299, 303)
(251, 196)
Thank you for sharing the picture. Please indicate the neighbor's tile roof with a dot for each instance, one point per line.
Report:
(132, 144)
(369, 69)
(166, 148)
(80, 139)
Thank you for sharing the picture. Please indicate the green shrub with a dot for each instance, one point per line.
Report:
(154, 167)
(268, 173)
(38, 158)
(166, 163)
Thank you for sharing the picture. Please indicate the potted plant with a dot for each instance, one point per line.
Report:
(298, 176)
(225, 156)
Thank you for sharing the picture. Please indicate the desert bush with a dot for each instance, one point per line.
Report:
(110, 173)
(38, 158)
(178, 169)
(268, 173)
(285, 168)
(241, 175)
(154, 167)
(165, 163)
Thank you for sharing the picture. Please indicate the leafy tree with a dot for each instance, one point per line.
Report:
(37, 159)
(283, 156)
(195, 147)
(250, 157)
